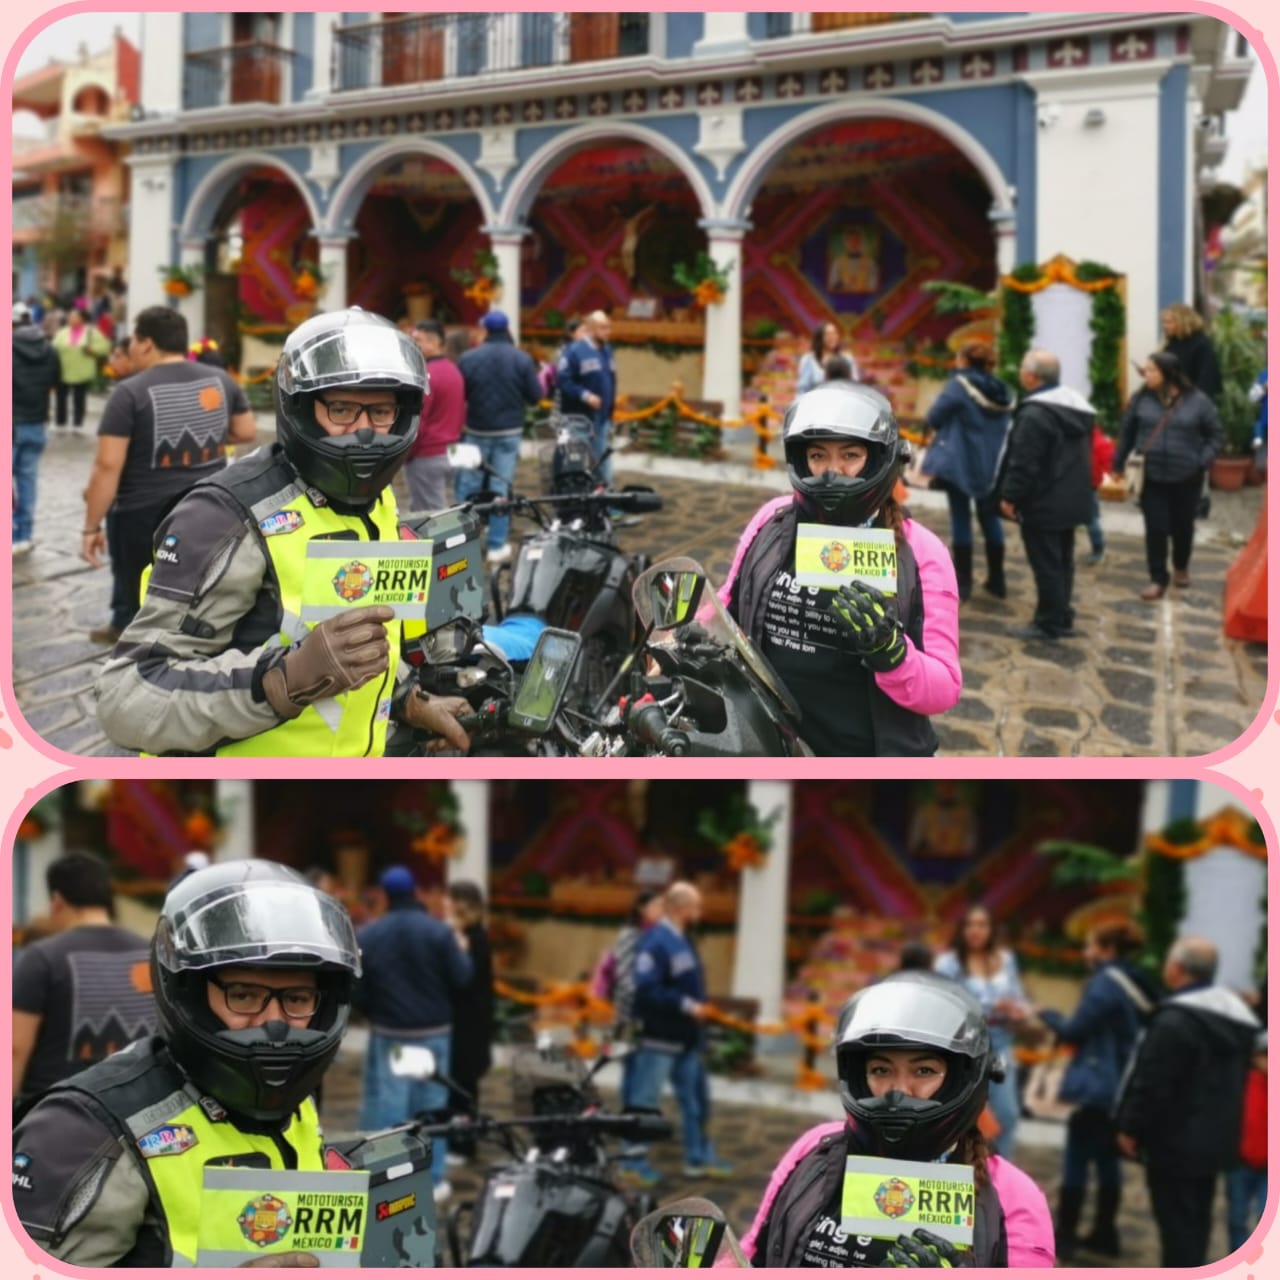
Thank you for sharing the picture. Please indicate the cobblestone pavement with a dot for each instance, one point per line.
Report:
(1141, 679)
(752, 1137)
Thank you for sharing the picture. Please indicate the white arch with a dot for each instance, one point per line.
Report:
(746, 183)
(92, 83)
(214, 185)
(355, 186)
(535, 170)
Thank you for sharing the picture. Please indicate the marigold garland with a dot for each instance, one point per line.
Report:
(1229, 827)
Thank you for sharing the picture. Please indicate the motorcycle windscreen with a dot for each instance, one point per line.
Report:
(714, 619)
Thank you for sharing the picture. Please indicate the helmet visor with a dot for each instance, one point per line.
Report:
(355, 354)
(857, 413)
(938, 1015)
(259, 923)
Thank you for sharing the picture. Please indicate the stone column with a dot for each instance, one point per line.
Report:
(473, 811)
(722, 369)
(722, 33)
(759, 958)
(234, 800)
(1004, 222)
(505, 243)
(151, 218)
(333, 262)
(191, 256)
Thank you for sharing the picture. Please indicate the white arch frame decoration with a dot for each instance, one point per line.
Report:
(204, 202)
(355, 186)
(746, 183)
(534, 172)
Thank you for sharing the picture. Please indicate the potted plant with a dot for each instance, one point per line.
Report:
(1240, 358)
(180, 282)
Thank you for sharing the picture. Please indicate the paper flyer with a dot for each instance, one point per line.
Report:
(348, 575)
(247, 1213)
(886, 1199)
(829, 556)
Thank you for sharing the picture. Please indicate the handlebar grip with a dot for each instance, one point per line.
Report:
(640, 502)
(649, 724)
(650, 1126)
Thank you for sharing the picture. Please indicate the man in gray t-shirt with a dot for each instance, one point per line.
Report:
(163, 429)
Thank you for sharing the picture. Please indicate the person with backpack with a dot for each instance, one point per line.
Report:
(1103, 1031)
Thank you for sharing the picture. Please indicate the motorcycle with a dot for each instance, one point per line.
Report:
(554, 1202)
(570, 572)
(695, 684)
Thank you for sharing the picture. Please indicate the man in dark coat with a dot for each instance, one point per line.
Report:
(471, 1051)
(1181, 1104)
(1045, 483)
(501, 380)
(36, 371)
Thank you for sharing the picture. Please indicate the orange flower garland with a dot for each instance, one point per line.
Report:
(199, 829)
(1230, 827)
(438, 844)
(743, 851)
(1058, 271)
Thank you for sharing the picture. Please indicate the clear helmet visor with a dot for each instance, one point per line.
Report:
(369, 351)
(257, 923)
(936, 1013)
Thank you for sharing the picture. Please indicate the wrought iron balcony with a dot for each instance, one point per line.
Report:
(250, 72)
(425, 48)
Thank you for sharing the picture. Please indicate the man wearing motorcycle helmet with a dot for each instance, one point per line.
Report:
(218, 660)
(913, 1057)
(252, 971)
(866, 669)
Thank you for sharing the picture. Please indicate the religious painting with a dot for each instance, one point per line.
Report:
(853, 259)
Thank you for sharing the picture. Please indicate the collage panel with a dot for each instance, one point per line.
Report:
(931, 347)
(599, 1023)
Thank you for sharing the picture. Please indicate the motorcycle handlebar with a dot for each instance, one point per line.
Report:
(637, 1125)
(649, 724)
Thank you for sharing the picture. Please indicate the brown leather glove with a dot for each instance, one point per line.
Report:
(437, 716)
(340, 653)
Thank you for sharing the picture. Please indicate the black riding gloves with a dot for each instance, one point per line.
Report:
(923, 1249)
(871, 626)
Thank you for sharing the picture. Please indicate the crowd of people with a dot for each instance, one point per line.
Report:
(218, 1031)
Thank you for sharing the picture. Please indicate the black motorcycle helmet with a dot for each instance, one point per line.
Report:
(258, 915)
(915, 1010)
(843, 411)
(351, 348)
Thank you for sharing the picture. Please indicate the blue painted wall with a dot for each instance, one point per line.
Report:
(684, 30)
(304, 43)
(1171, 187)
(201, 31)
(1182, 798)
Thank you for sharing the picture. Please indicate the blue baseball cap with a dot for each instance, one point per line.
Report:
(398, 882)
(496, 320)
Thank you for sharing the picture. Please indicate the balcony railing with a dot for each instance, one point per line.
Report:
(250, 72)
(422, 48)
(99, 216)
(778, 25)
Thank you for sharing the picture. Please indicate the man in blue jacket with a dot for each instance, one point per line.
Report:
(586, 382)
(500, 381)
(671, 1005)
(415, 966)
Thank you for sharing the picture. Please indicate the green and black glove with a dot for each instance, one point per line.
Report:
(871, 626)
(923, 1249)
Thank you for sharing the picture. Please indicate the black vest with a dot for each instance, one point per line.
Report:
(896, 730)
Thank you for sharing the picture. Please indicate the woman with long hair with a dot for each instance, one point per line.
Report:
(1102, 1032)
(970, 420)
(1176, 429)
(826, 343)
(989, 973)
(867, 669)
(1186, 339)
(914, 1062)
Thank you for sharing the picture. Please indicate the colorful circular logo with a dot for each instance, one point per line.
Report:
(353, 581)
(835, 557)
(265, 1221)
(893, 1198)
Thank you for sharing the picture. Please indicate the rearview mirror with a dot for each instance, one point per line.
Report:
(685, 1233)
(674, 597)
(413, 1062)
(464, 457)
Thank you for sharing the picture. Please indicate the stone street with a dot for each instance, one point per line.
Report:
(1141, 679)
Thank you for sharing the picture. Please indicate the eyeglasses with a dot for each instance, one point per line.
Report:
(249, 998)
(345, 413)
